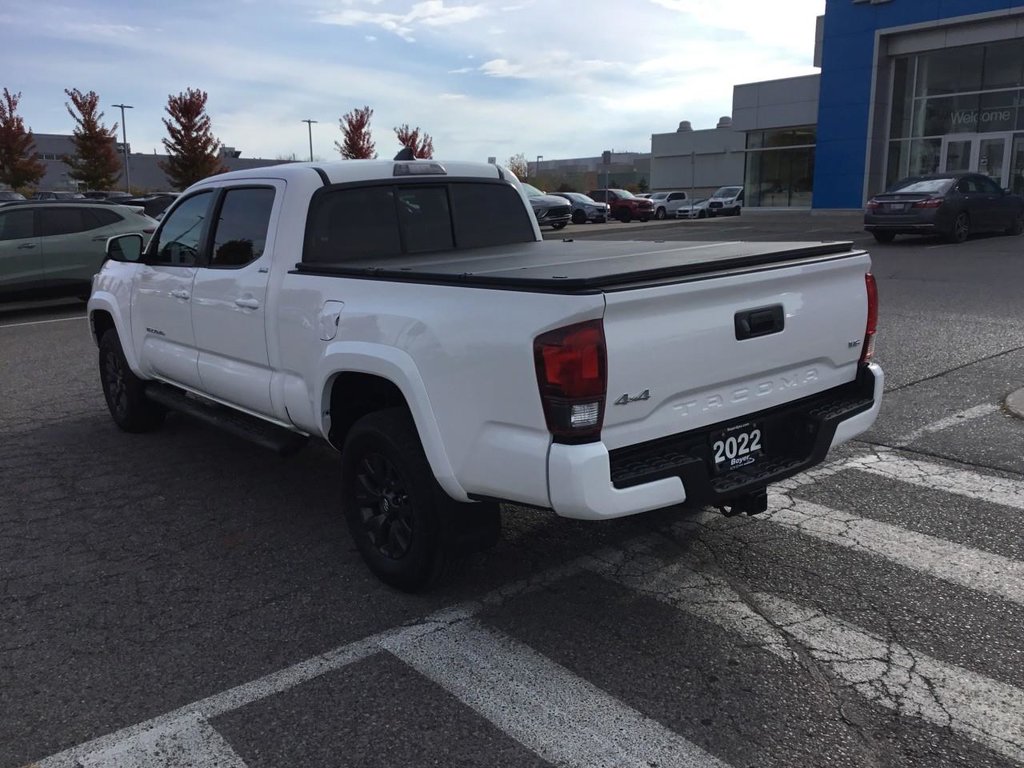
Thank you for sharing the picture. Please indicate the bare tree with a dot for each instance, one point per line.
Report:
(95, 162)
(422, 146)
(519, 165)
(356, 142)
(19, 164)
(192, 147)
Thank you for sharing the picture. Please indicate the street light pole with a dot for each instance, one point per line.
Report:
(309, 124)
(539, 158)
(124, 146)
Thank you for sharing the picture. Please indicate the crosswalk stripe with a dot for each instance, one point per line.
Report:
(975, 569)
(190, 742)
(542, 705)
(939, 477)
(954, 420)
(912, 683)
(908, 681)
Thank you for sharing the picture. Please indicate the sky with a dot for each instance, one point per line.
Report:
(484, 78)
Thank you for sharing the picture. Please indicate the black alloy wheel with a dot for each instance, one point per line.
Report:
(1016, 225)
(124, 392)
(579, 217)
(660, 213)
(884, 237)
(960, 229)
(385, 510)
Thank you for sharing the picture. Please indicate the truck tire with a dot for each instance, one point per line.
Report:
(125, 392)
(408, 530)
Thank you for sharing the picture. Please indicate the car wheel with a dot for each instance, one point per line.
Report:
(658, 214)
(737, 211)
(559, 225)
(579, 217)
(884, 237)
(702, 214)
(408, 531)
(1017, 225)
(125, 392)
(960, 228)
(625, 217)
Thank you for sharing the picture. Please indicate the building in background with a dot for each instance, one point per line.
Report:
(146, 174)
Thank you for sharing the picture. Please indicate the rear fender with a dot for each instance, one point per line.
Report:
(400, 369)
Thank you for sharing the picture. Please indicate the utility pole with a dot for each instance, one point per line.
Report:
(124, 143)
(309, 124)
(537, 169)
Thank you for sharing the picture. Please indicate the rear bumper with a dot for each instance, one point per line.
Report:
(589, 482)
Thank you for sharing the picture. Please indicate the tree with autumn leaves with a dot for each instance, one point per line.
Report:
(192, 148)
(95, 162)
(19, 165)
(356, 143)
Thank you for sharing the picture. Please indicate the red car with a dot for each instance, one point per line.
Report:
(624, 205)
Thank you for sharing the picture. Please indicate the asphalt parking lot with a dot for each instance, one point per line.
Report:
(186, 599)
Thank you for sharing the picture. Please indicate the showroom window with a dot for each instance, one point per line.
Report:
(780, 168)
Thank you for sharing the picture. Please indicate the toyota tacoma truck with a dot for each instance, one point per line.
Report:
(410, 314)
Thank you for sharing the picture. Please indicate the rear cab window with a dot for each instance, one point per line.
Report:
(352, 222)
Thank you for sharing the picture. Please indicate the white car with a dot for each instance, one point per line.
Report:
(693, 209)
(667, 203)
(727, 201)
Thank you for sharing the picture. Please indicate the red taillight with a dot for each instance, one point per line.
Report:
(868, 350)
(931, 202)
(873, 205)
(572, 374)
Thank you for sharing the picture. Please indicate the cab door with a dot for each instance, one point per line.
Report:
(162, 305)
(21, 252)
(229, 297)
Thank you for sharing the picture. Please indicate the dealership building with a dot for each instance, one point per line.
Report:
(906, 87)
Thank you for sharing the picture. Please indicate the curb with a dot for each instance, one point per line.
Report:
(1015, 403)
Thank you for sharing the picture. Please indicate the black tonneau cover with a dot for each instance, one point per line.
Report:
(581, 266)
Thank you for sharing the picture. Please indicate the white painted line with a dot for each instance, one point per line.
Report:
(974, 569)
(684, 586)
(907, 681)
(939, 477)
(187, 743)
(542, 705)
(949, 421)
(43, 322)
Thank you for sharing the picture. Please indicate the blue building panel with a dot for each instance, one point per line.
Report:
(847, 69)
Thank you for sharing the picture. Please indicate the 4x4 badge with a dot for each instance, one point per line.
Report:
(626, 399)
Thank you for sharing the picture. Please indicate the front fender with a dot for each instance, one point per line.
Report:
(399, 368)
(103, 300)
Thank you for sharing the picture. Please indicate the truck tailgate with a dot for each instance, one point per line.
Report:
(720, 346)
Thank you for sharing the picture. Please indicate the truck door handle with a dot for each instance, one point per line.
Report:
(751, 323)
(181, 293)
(26, 245)
(247, 303)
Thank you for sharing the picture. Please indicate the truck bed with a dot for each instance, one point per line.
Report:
(583, 266)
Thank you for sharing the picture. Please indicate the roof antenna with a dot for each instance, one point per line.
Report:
(405, 153)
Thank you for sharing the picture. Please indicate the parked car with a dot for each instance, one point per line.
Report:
(727, 201)
(57, 195)
(6, 195)
(623, 204)
(585, 208)
(55, 247)
(106, 194)
(953, 205)
(550, 210)
(667, 203)
(693, 209)
(154, 203)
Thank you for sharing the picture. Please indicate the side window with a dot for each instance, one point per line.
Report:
(61, 221)
(241, 233)
(181, 236)
(489, 214)
(15, 224)
(989, 187)
(101, 217)
(351, 224)
(425, 219)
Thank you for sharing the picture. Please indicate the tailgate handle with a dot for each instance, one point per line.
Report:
(751, 323)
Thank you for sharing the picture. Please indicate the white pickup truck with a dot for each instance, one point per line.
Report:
(409, 313)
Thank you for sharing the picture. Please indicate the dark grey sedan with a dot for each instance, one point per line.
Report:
(951, 205)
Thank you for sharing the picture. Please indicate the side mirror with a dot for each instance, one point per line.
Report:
(126, 248)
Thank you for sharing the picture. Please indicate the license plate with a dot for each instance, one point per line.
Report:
(737, 446)
(894, 207)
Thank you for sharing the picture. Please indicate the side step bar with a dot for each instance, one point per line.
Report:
(262, 433)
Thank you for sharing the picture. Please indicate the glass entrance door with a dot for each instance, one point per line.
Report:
(985, 153)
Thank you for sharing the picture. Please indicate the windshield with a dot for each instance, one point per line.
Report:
(926, 186)
(624, 193)
(531, 191)
(728, 192)
(659, 196)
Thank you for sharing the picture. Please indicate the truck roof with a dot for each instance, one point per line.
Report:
(341, 171)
